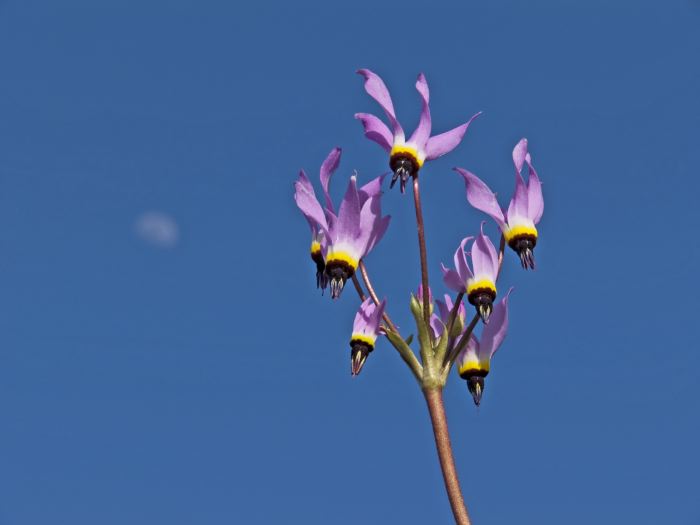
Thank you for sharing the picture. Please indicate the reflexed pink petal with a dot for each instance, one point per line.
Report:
(327, 168)
(348, 222)
(372, 225)
(445, 142)
(484, 256)
(437, 325)
(422, 133)
(518, 204)
(376, 130)
(443, 309)
(535, 201)
(452, 279)
(372, 189)
(362, 316)
(378, 232)
(308, 203)
(368, 317)
(495, 330)
(481, 197)
(460, 260)
(376, 89)
(519, 152)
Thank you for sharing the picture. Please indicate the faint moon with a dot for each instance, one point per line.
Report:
(158, 229)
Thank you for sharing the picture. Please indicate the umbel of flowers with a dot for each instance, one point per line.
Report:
(342, 237)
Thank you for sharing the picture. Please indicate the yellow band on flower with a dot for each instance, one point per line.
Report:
(342, 257)
(407, 150)
(483, 283)
(363, 338)
(520, 230)
(472, 365)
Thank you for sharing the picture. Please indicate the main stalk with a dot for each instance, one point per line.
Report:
(433, 396)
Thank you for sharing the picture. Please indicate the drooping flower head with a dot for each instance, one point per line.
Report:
(474, 362)
(479, 285)
(346, 237)
(318, 247)
(406, 157)
(525, 208)
(364, 333)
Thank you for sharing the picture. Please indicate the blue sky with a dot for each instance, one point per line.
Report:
(185, 369)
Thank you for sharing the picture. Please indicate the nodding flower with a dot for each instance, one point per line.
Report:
(345, 237)
(474, 362)
(364, 333)
(479, 285)
(406, 157)
(318, 248)
(525, 208)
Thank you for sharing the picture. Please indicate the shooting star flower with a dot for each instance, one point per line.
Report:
(525, 208)
(364, 333)
(349, 235)
(474, 362)
(318, 247)
(479, 285)
(406, 157)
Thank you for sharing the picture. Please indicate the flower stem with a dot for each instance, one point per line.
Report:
(433, 397)
(423, 252)
(374, 296)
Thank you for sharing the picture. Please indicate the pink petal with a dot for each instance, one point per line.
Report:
(348, 222)
(535, 201)
(460, 260)
(484, 256)
(372, 189)
(422, 133)
(327, 168)
(452, 279)
(376, 130)
(495, 330)
(519, 152)
(481, 197)
(375, 88)
(308, 203)
(445, 142)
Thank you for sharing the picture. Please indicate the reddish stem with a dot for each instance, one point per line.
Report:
(423, 252)
(433, 396)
